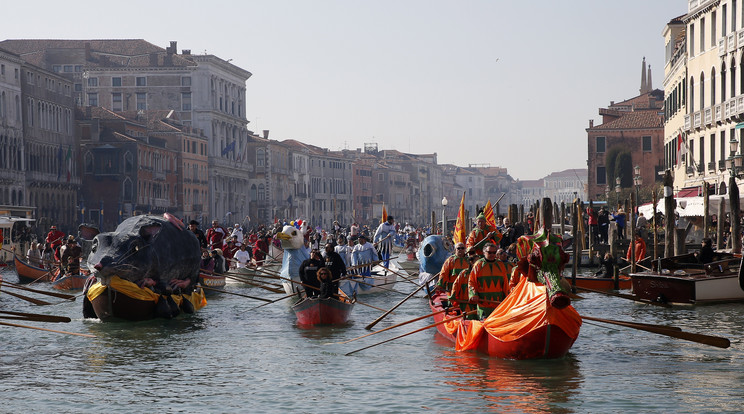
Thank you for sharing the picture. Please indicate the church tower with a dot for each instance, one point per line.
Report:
(645, 80)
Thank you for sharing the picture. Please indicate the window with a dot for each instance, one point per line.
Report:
(116, 101)
(141, 101)
(702, 34)
(260, 157)
(116, 81)
(646, 144)
(68, 68)
(55, 68)
(88, 163)
(78, 68)
(186, 101)
(78, 87)
(93, 99)
(601, 175)
(141, 81)
(692, 38)
(92, 81)
(186, 81)
(601, 145)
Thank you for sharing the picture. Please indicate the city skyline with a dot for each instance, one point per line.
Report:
(419, 77)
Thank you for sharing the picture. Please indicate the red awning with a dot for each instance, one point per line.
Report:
(689, 192)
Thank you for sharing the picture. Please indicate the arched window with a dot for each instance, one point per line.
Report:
(713, 86)
(733, 77)
(126, 193)
(128, 162)
(254, 192)
(261, 192)
(692, 95)
(723, 82)
(260, 156)
(702, 91)
(88, 160)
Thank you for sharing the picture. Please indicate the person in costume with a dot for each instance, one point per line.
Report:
(383, 239)
(488, 281)
(481, 235)
(309, 273)
(459, 292)
(216, 235)
(344, 250)
(452, 268)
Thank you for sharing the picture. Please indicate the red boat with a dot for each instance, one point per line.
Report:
(602, 283)
(326, 311)
(523, 326)
(28, 273)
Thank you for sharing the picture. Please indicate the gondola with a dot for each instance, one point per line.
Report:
(67, 281)
(313, 311)
(211, 280)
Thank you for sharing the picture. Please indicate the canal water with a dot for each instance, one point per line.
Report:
(227, 358)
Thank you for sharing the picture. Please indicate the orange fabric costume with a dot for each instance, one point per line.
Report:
(459, 291)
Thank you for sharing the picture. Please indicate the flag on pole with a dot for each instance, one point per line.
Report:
(459, 235)
(384, 214)
(681, 149)
(488, 212)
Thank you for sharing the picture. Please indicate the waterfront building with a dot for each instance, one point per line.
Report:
(565, 186)
(530, 192)
(629, 139)
(12, 165)
(704, 87)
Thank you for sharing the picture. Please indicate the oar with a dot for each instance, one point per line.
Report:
(33, 319)
(26, 298)
(273, 301)
(399, 275)
(48, 330)
(43, 292)
(233, 293)
(716, 341)
(389, 327)
(413, 332)
(51, 318)
(624, 296)
(256, 284)
(371, 325)
(741, 273)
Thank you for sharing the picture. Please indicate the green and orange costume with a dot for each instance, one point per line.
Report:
(450, 270)
(489, 281)
(477, 239)
(459, 291)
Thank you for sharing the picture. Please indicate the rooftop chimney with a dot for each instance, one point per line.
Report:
(185, 51)
(591, 123)
(266, 134)
(172, 49)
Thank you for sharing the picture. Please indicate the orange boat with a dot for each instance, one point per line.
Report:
(70, 281)
(524, 326)
(28, 273)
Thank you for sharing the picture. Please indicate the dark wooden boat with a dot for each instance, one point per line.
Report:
(125, 300)
(28, 273)
(683, 280)
(528, 327)
(70, 281)
(326, 311)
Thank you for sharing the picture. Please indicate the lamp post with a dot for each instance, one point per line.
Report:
(444, 218)
(617, 190)
(734, 161)
(638, 182)
(607, 195)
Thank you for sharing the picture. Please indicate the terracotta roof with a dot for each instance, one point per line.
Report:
(634, 120)
(569, 173)
(532, 183)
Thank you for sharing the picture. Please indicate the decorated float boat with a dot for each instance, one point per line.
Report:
(523, 326)
(683, 280)
(325, 311)
(124, 300)
(148, 267)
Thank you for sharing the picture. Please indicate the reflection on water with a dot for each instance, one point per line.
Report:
(510, 386)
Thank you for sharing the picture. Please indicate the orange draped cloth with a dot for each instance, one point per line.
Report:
(525, 308)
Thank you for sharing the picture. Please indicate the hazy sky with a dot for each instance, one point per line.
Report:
(507, 83)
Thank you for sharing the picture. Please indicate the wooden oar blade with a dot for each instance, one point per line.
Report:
(52, 318)
(28, 299)
(41, 292)
(47, 330)
(716, 341)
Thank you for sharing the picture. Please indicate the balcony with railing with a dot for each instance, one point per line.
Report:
(721, 165)
(696, 119)
(699, 167)
(708, 117)
(688, 123)
(690, 170)
(731, 40)
(712, 166)
(718, 113)
(722, 46)
(159, 175)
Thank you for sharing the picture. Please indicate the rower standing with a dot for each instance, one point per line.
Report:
(488, 281)
(383, 239)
